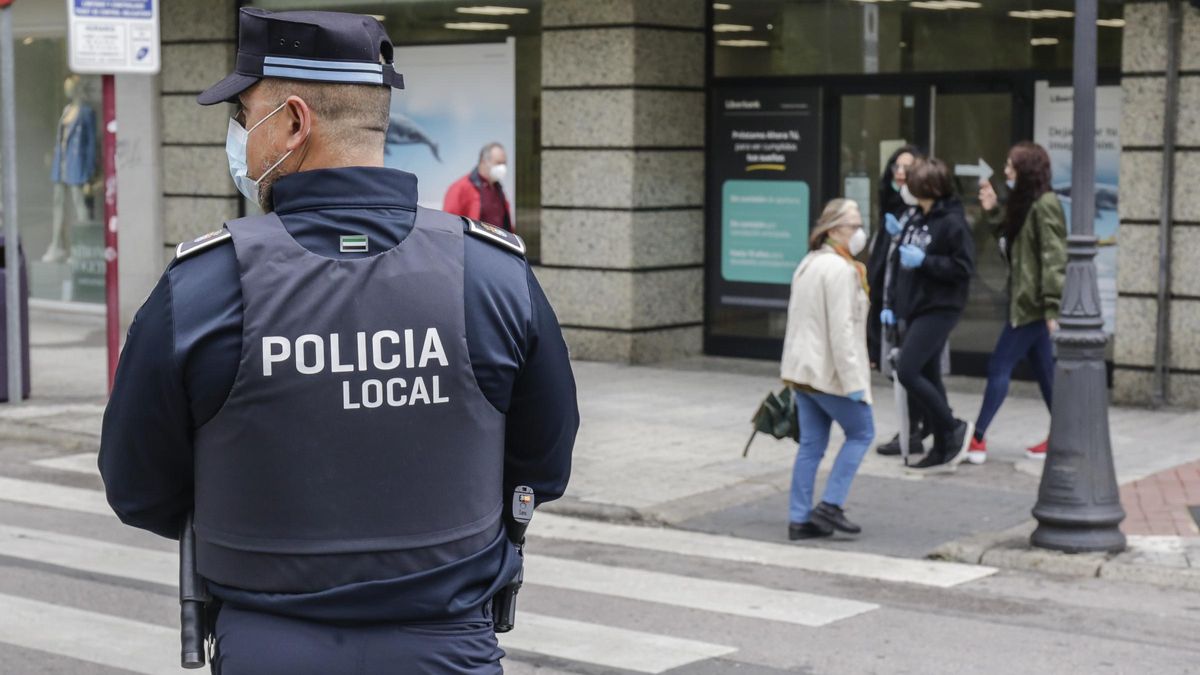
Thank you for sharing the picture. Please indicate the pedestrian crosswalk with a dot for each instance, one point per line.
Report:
(120, 642)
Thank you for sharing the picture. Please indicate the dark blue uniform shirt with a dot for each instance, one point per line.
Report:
(183, 349)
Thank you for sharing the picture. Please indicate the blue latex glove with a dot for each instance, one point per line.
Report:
(892, 224)
(857, 396)
(911, 257)
(887, 317)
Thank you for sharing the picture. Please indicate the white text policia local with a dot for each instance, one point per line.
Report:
(382, 351)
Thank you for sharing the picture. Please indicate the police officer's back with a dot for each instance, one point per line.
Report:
(344, 389)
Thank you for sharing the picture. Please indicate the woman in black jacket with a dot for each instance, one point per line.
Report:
(896, 208)
(895, 175)
(937, 260)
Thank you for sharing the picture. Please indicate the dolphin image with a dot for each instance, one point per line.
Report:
(404, 131)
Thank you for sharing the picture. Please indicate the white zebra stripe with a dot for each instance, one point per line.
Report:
(719, 597)
(89, 636)
(606, 646)
(55, 496)
(933, 573)
(84, 462)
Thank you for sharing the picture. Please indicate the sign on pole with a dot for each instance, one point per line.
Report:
(114, 36)
(110, 37)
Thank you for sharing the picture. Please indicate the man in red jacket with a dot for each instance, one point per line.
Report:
(479, 195)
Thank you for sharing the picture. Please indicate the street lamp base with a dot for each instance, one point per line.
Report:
(1082, 539)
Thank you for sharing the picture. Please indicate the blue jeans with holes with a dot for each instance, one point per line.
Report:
(816, 414)
(1030, 342)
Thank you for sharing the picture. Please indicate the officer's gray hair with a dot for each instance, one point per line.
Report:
(354, 114)
(487, 149)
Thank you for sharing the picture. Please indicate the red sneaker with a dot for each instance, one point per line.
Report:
(977, 451)
(1038, 451)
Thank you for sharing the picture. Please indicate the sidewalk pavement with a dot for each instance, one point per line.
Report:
(662, 445)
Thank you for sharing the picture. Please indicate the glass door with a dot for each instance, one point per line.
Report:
(973, 131)
(871, 128)
(966, 125)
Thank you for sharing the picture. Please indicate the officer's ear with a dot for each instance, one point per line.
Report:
(300, 120)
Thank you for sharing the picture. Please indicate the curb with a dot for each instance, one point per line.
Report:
(1010, 549)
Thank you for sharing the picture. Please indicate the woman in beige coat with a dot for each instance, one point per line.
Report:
(825, 362)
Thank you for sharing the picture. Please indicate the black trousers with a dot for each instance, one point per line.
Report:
(252, 643)
(920, 367)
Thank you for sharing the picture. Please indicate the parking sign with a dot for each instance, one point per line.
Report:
(114, 36)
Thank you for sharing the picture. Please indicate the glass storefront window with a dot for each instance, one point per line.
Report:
(784, 37)
(60, 195)
(427, 23)
(959, 80)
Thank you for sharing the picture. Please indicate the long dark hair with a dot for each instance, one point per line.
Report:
(889, 197)
(1032, 164)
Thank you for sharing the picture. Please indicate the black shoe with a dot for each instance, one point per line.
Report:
(831, 516)
(949, 449)
(957, 442)
(807, 530)
(935, 458)
(916, 446)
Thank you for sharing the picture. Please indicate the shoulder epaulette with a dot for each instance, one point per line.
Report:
(496, 235)
(201, 243)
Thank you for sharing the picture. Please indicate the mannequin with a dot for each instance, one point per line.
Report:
(74, 166)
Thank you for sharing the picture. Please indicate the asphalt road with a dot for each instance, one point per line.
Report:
(82, 594)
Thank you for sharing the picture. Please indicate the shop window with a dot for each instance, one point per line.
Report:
(779, 37)
(60, 195)
(487, 90)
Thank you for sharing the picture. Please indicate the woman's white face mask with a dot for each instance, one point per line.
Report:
(907, 196)
(858, 241)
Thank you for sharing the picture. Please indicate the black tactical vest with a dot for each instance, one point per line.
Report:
(355, 444)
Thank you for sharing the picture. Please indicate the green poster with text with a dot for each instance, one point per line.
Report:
(764, 229)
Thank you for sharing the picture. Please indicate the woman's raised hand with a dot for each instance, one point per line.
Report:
(987, 195)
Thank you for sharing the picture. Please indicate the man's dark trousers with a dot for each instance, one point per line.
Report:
(252, 643)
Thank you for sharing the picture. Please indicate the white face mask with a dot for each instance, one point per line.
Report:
(1011, 184)
(235, 148)
(498, 172)
(858, 241)
(907, 196)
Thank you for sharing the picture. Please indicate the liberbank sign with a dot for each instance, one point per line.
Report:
(764, 178)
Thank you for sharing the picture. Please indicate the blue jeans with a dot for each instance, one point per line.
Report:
(816, 414)
(1030, 342)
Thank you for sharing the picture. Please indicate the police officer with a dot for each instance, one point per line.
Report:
(344, 389)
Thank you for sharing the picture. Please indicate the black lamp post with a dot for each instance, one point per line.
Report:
(1079, 506)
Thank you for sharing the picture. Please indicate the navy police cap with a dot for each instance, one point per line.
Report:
(333, 47)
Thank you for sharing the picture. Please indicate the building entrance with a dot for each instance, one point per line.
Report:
(967, 120)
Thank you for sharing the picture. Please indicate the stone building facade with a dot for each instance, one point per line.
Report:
(1144, 64)
(623, 107)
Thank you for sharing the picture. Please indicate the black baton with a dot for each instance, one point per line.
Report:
(193, 596)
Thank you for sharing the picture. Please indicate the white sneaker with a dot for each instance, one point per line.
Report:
(977, 451)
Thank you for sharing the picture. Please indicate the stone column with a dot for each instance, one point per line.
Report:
(623, 108)
(139, 192)
(1144, 83)
(199, 48)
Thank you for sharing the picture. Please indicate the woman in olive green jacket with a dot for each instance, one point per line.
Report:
(1032, 232)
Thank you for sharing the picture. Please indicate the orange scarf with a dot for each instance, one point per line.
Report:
(862, 269)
